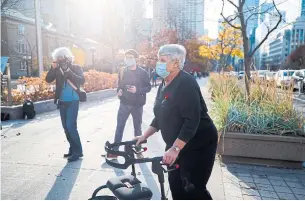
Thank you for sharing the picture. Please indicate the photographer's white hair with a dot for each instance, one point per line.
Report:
(63, 52)
(174, 51)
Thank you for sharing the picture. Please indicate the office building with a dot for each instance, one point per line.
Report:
(277, 50)
(251, 6)
(270, 20)
(280, 44)
(303, 8)
(264, 10)
(183, 16)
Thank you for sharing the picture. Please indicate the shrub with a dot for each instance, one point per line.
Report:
(96, 81)
(37, 89)
(268, 110)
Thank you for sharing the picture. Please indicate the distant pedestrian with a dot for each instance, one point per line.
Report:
(67, 74)
(195, 75)
(154, 77)
(133, 85)
(299, 77)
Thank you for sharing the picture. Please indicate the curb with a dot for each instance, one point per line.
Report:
(15, 111)
(298, 99)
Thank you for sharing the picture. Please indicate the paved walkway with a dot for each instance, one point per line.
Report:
(32, 166)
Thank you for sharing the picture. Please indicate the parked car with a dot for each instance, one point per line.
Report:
(284, 78)
(234, 74)
(270, 76)
(241, 74)
(296, 77)
(262, 74)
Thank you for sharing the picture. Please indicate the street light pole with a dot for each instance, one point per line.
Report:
(9, 85)
(93, 50)
(38, 36)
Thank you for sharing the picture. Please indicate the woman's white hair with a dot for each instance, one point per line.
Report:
(62, 52)
(174, 51)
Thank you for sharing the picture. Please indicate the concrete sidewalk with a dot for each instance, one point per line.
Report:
(33, 167)
(250, 182)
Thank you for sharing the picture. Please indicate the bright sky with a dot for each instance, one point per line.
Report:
(213, 9)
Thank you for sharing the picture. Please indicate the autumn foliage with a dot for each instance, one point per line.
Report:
(228, 43)
(96, 81)
(149, 52)
(298, 57)
(37, 89)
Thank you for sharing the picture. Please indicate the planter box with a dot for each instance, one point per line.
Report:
(15, 112)
(262, 149)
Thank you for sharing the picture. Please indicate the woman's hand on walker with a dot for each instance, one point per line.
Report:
(140, 139)
(170, 156)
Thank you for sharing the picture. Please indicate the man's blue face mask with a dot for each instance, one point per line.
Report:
(130, 62)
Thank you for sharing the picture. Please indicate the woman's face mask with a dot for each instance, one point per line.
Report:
(165, 66)
(161, 69)
(130, 62)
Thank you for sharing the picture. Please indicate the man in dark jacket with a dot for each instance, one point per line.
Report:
(133, 85)
(66, 97)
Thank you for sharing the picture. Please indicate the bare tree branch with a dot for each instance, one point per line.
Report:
(257, 13)
(227, 21)
(269, 31)
(233, 4)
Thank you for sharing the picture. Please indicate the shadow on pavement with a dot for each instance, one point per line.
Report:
(118, 172)
(65, 181)
(150, 180)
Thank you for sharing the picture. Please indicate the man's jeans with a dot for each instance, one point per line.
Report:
(68, 114)
(123, 114)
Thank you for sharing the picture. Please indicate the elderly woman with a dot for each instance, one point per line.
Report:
(66, 97)
(186, 128)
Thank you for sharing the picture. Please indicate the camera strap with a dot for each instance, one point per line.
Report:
(69, 82)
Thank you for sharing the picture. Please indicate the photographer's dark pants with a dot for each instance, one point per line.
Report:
(123, 114)
(68, 114)
(195, 165)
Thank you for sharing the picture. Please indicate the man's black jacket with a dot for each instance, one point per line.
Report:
(75, 75)
(138, 78)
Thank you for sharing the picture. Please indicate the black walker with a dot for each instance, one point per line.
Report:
(128, 187)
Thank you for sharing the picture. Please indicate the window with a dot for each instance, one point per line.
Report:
(285, 73)
(21, 29)
(21, 47)
(22, 65)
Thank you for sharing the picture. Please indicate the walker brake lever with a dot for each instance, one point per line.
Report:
(170, 168)
(143, 149)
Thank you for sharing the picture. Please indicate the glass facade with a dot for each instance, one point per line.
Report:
(303, 8)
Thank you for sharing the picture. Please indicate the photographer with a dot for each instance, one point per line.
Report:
(66, 97)
(133, 85)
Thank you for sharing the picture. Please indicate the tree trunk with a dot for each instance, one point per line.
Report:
(113, 59)
(247, 75)
(247, 58)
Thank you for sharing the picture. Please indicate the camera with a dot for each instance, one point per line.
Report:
(64, 64)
